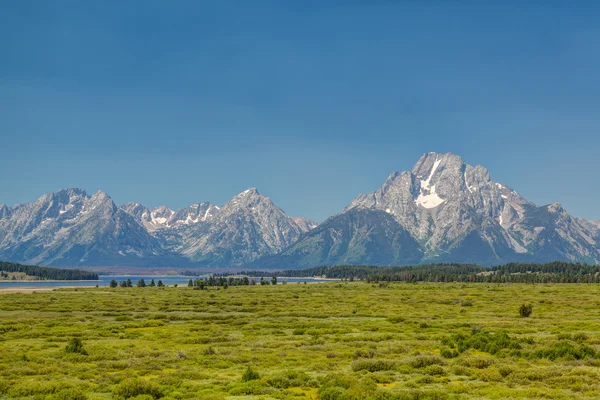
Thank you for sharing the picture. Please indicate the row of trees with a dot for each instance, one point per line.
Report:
(48, 273)
(141, 283)
(201, 284)
(225, 282)
(555, 272)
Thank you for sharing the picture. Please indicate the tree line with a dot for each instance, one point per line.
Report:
(47, 273)
(225, 282)
(201, 284)
(554, 272)
(140, 283)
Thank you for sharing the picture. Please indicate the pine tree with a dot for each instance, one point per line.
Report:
(250, 375)
(75, 346)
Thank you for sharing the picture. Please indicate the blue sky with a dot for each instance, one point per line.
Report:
(312, 102)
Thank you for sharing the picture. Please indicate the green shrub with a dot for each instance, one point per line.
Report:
(423, 361)
(476, 362)
(340, 387)
(37, 387)
(70, 394)
(279, 382)
(566, 350)
(425, 380)
(75, 346)
(448, 353)
(331, 393)
(365, 353)
(129, 388)
(525, 310)
(289, 379)
(505, 371)
(373, 365)
(434, 370)
(479, 340)
(250, 375)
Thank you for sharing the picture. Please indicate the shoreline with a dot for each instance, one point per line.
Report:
(47, 280)
(29, 289)
(93, 280)
(43, 288)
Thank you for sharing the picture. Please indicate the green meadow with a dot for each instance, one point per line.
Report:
(296, 341)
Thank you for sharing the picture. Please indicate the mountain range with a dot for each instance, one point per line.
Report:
(443, 210)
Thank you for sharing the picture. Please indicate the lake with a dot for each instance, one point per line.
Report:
(104, 280)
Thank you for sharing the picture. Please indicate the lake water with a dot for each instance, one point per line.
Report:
(105, 281)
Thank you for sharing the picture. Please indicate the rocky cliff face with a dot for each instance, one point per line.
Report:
(457, 213)
(443, 210)
(70, 228)
(163, 217)
(248, 227)
(305, 224)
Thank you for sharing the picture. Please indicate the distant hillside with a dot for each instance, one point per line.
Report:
(555, 272)
(46, 273)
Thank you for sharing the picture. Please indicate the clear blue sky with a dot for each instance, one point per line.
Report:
(312, 102)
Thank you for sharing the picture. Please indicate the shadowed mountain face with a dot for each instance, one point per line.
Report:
(443, 210)
(356, 237)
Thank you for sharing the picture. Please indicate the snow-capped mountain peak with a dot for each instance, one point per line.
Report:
(69, 227)
(444, 202)
(442, 210)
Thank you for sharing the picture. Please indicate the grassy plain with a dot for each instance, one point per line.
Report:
(328, 341)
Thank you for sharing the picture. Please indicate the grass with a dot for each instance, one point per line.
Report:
(328, 341)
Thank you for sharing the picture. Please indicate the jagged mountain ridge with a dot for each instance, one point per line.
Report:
(163, 217)
(458, 214)
(246, 228)
(71, 228)
(443, 210)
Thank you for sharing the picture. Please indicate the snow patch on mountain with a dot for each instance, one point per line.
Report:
(476, 208)
(428, 198)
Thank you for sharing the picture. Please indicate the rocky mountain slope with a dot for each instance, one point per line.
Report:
(163, 217)
(356, 237)
(70, 228)
(456, 213)
(443, 210)
(248, 227)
